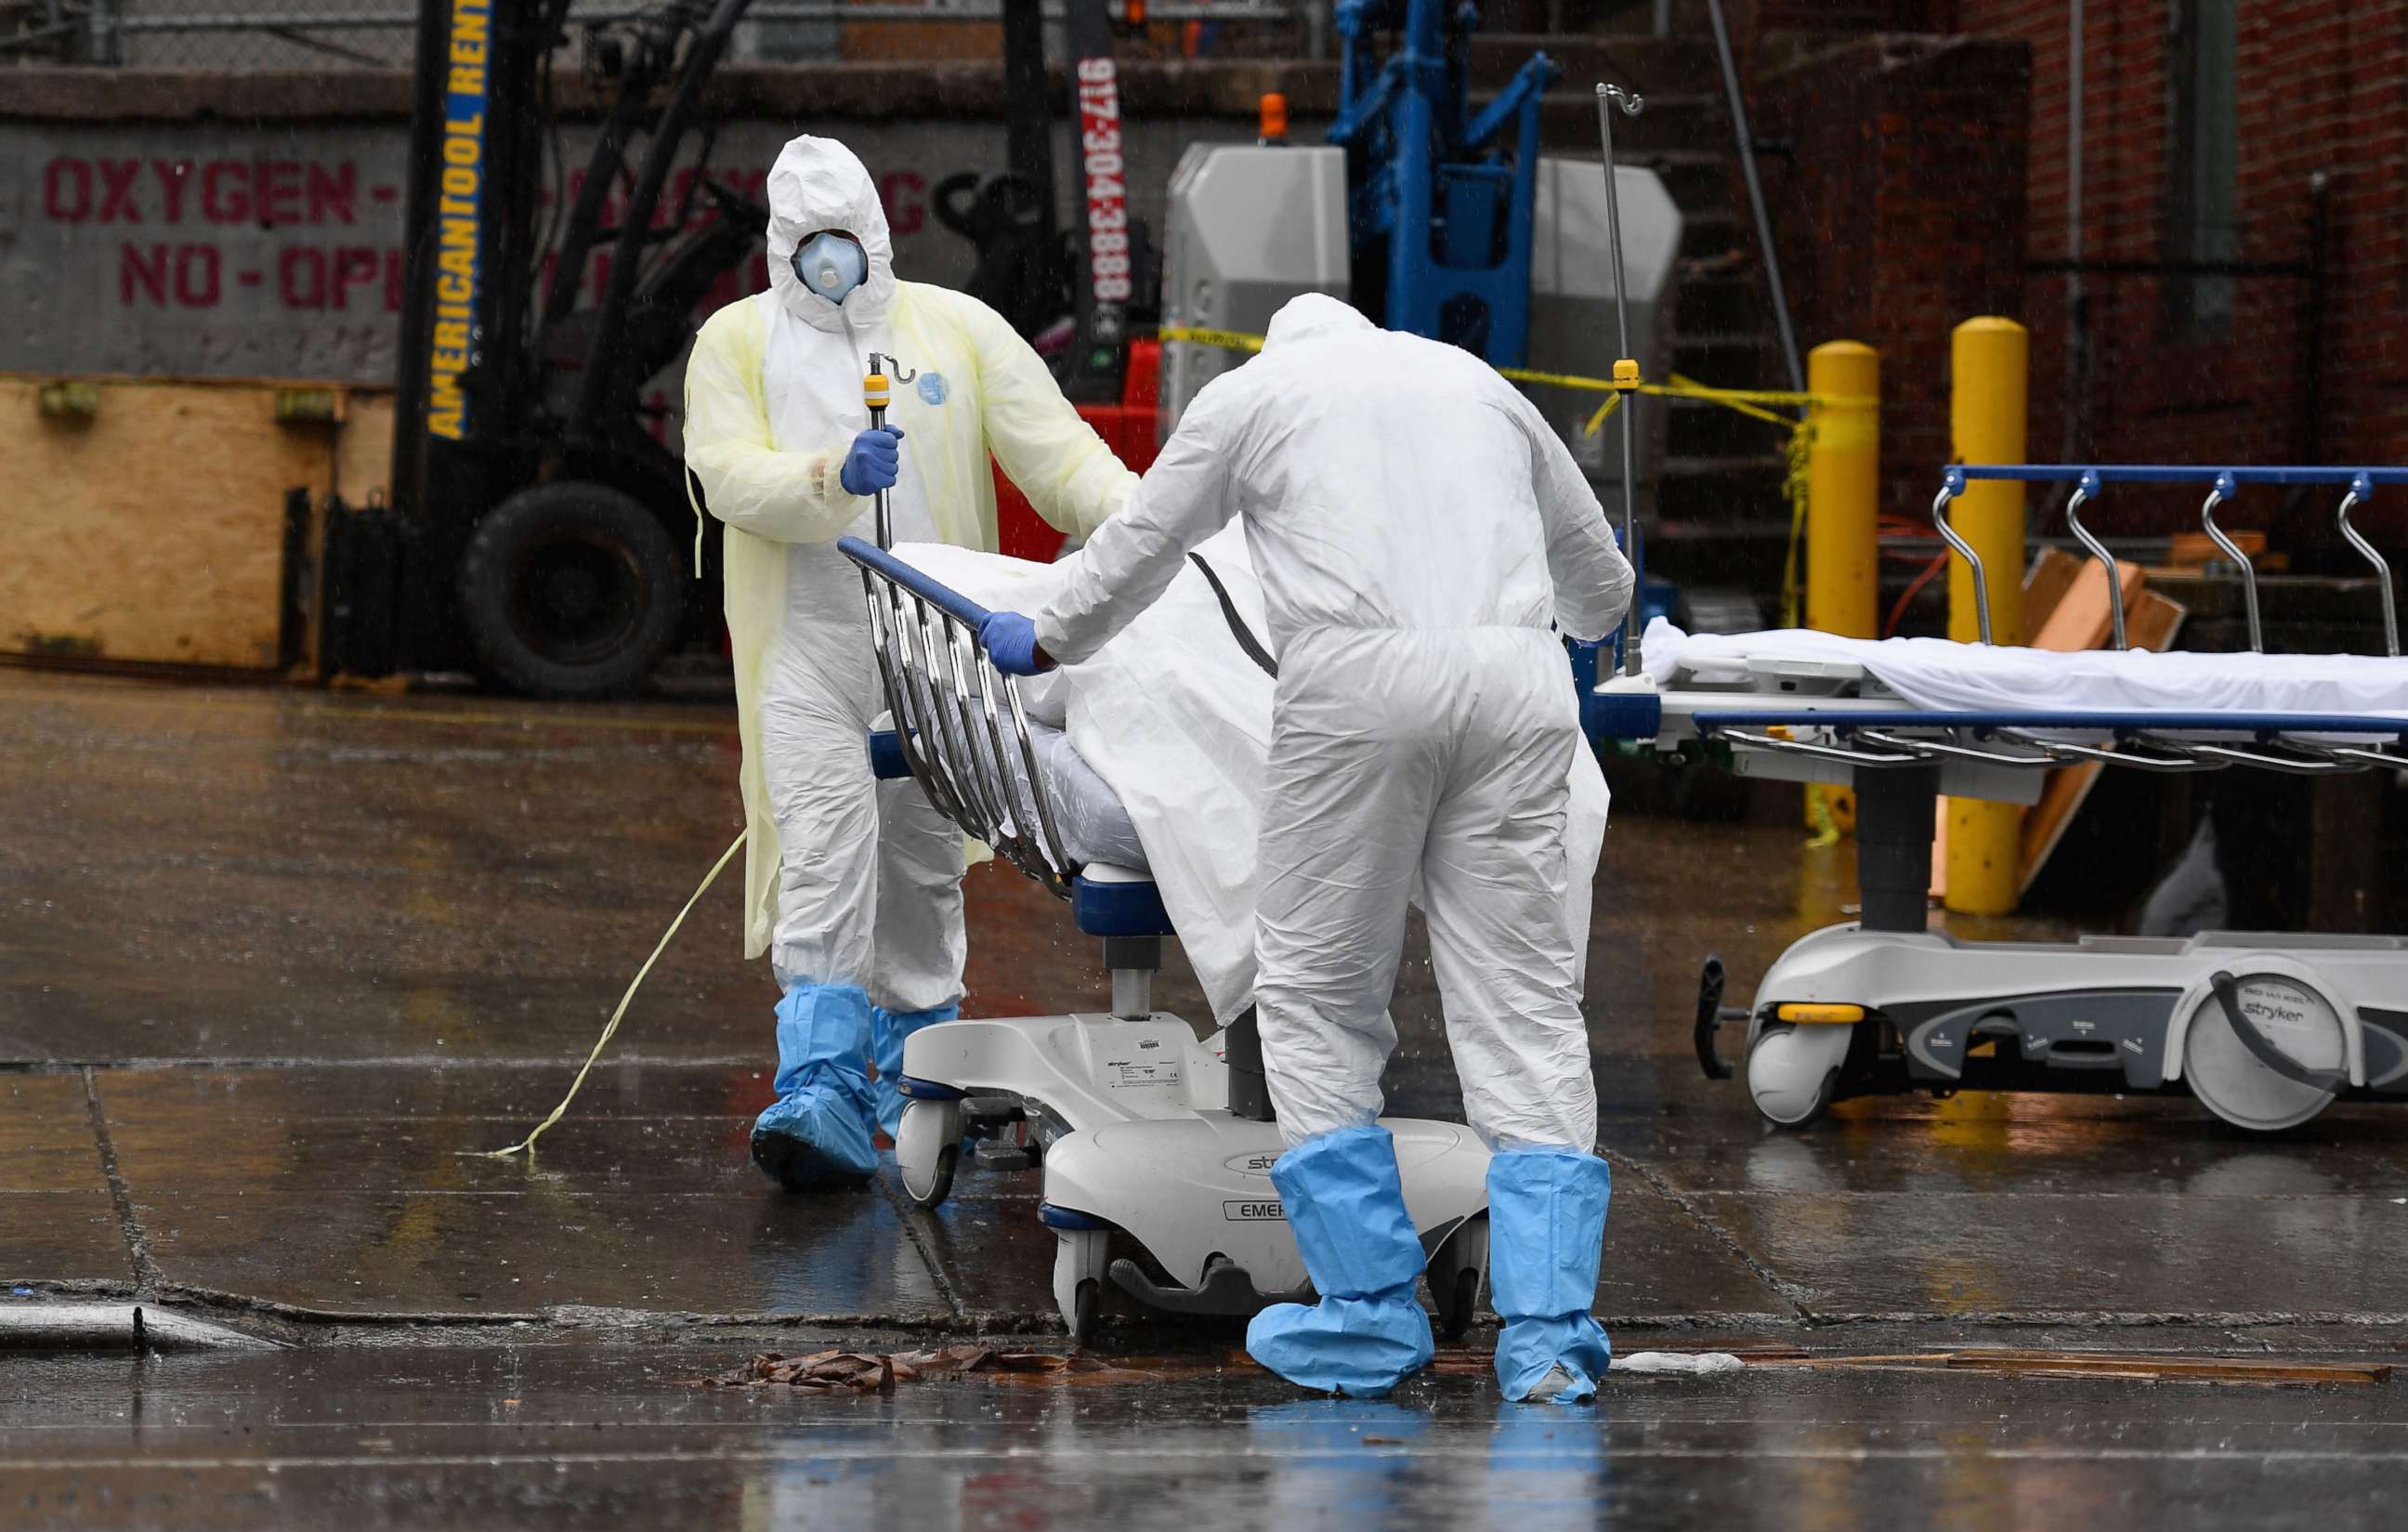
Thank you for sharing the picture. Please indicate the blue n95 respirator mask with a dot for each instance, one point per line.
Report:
(831, 264)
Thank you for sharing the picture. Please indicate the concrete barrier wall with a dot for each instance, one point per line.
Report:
(235, 226)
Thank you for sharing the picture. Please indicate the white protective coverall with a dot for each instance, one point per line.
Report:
(1415, 523)
(773, 401)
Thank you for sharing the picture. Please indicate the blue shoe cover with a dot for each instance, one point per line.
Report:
(1345, 1203)
(817, 1132)
(887, 1031)
(1546, 1234)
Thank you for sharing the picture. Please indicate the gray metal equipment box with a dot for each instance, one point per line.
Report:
(1251, 228)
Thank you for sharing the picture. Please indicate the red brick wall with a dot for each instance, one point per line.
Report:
(2322, 87)
(1901, 214)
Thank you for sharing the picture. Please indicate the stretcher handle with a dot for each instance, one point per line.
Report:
(2083, 489)
(2361, 489)
(943, 598)
(2225, 484)
(1948, 491)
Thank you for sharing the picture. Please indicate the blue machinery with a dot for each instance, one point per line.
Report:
(1442, 222)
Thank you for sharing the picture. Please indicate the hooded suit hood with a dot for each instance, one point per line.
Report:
(1309, 314)
(816, 184)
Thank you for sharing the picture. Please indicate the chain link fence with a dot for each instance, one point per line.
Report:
(306, 34)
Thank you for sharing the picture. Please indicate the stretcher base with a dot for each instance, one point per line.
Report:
(1129, 1120)
(2322, 1016)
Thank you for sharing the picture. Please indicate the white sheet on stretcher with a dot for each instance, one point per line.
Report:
(1935, 673)
(1175, 718)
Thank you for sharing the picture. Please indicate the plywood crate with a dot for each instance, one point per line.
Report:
(143, 521)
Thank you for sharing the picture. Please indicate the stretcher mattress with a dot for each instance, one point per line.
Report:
(1935, 673)
(1094, 823)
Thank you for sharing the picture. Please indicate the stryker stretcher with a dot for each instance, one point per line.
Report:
(1145, 1134)
(2265, 1029)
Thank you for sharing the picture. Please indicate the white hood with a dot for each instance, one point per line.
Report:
(816, 184)
(1309, 314)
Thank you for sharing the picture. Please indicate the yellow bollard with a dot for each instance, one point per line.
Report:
(1842, 490)
(1843, 516)
(1988, 362)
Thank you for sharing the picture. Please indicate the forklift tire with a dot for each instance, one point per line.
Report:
(572, 591)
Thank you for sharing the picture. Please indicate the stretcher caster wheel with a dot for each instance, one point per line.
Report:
(1793, 1071)
(1454, 1273)
(1079, 1280)
(927, 1147)
(2265, 1051)
(1084, 1303)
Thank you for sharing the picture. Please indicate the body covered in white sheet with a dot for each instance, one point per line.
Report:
(1176, 719)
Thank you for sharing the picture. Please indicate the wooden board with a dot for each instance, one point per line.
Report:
(2151, 624)
(364, 447)
(2046, 582)
(151, 532)
(2080, 619)
(2065, 602)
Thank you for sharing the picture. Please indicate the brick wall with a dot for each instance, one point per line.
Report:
(1900, 214)
(2321, 88)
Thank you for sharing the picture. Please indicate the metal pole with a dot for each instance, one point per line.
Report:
(103, 41)
(2074, 326)
(875, 390)
(1756, 198)
(1607, 97)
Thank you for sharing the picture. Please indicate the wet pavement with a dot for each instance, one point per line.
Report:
(275, 966)
(578, 1435)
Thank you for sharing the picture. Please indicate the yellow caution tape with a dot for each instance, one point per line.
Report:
(1228, 340)
(1761, 404)
(1680, 387)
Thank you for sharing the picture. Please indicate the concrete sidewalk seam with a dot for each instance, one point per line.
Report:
(138, 1242)
(911, 1214)
(1789, 1292)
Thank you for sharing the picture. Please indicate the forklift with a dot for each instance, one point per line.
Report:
(541, 532)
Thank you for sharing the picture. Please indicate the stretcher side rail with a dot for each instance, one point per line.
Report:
(1900, 737)
(959, 722)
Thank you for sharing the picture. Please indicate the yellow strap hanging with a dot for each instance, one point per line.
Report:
(610, 1027)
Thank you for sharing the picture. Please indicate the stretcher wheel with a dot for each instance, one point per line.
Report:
(1454, 1273)
(1793, 1072)
(928, 1149)
(1085, 1302)
(2289, 1069)
(1079, 1280)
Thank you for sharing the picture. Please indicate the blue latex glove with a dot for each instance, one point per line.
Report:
(869, 465)
(1010, 642)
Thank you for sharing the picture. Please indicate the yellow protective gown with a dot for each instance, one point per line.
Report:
(772, 403)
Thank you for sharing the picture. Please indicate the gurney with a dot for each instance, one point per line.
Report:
(2266, 1029)
(1154, 1145)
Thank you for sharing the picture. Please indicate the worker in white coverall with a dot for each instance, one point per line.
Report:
(1416, 524)
(853, 886)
